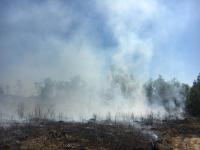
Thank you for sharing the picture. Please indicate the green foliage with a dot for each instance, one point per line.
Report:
(169, 94)
(193, 99)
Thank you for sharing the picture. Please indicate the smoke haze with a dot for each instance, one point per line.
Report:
(90, 57)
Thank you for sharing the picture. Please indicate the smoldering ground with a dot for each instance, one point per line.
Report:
(120, 93)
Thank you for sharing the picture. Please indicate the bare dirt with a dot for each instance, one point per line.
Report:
(179, 134)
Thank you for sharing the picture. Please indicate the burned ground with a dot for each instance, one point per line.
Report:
(60, 135)
(179, 134)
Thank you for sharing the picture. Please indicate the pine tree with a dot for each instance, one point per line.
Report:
(193, 100)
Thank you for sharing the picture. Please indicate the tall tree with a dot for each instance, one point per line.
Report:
(193, 100)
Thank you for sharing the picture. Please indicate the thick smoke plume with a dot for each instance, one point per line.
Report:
(79, 63)
(120, 93)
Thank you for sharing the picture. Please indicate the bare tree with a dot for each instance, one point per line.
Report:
(108, 117)
(38, 112)
(21, 110)
(60, 116)
(51, 113)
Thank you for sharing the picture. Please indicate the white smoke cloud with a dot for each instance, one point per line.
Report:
(56, 41)
(125, 20)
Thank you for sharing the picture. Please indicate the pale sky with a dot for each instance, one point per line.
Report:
(63, 38)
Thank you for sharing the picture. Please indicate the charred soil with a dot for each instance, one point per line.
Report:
(179, 134)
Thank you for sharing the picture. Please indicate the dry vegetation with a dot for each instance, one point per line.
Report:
(61, 135)
(180, 134)
(52, 135)
(39, 131)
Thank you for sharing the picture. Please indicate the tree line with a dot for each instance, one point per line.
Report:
(193, 98)
(176, 97)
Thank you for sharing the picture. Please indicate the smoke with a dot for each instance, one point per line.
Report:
(81, 57)
(171, 95)
(118, 93)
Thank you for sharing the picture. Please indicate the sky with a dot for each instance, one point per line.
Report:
(65, 38)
